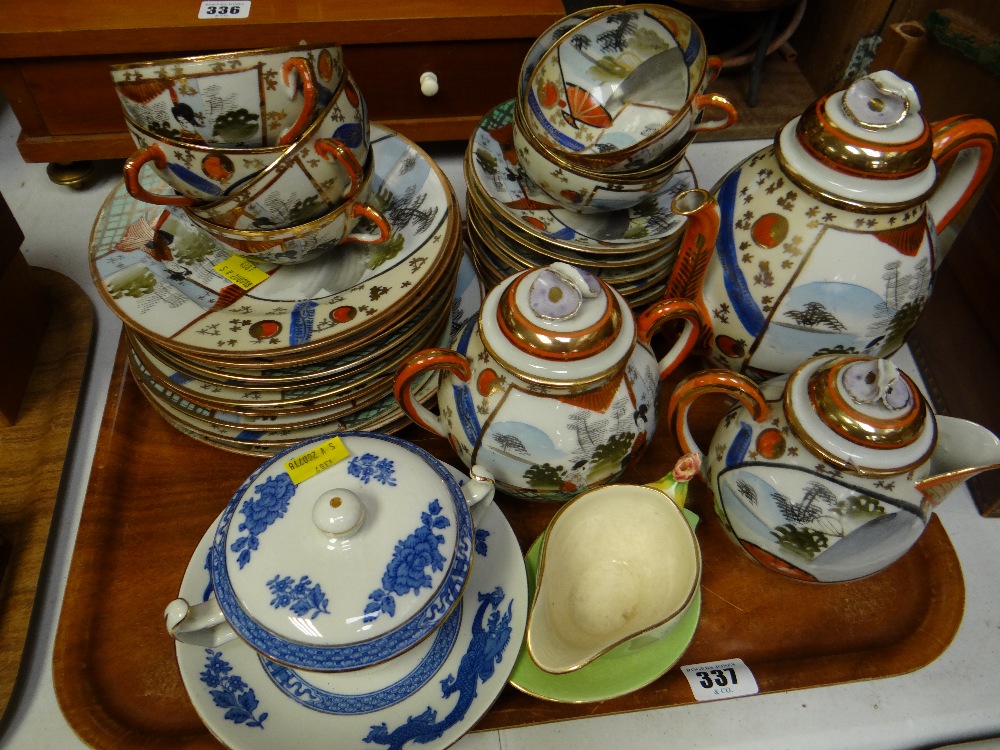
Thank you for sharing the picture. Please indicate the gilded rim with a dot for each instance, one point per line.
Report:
(854, 427)
(838, 201)
(547, 344)
(839, 150)
(219, 56)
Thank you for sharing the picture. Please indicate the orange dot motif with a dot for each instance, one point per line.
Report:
(265, 329)
(769, 230)
(487, 383)
(344, 313)
(771, 444)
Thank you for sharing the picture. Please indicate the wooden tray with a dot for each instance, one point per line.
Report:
(153, 492)
(32, 454)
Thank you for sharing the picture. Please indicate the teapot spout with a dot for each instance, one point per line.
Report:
(697, 245)
(963, 450)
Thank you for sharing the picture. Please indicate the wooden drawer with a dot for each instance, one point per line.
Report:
(56, 76)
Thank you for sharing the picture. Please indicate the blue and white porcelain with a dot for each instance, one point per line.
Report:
(345, 568)
(427, 697)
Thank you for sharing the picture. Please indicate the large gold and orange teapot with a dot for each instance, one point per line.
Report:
(827, 240)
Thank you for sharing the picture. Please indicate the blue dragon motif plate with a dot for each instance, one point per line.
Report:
(426, 698)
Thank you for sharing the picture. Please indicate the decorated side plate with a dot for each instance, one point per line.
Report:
(157, 271)
(622, 670)
(429, 699)
(498, 184)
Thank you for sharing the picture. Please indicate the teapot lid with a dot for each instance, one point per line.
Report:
(861, 414)
(347, 566)
(557, 325)
(867, 146)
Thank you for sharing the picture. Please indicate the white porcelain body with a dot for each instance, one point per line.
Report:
(197, 172)
(803, 497)
(343, 568)
(547, 445)
(614, 85)
(822, 246)
(552, 392)
(247, 98)
(618, 563)
(312, 177)
(304, 242)
(584, 193)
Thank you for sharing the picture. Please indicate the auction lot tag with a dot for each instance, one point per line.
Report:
(220, 9)
(316, 459)
(241, 271)
(716, 680)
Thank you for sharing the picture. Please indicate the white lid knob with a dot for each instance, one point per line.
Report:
(339, 513)
(428, 83)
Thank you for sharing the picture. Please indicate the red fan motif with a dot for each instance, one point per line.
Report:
(584, 109)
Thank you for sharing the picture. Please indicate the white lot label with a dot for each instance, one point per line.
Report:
(715, 680)
(218, 9)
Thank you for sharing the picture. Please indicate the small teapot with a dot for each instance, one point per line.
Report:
(830, 473)
(555, 388)
(339, 553)
(828, 240)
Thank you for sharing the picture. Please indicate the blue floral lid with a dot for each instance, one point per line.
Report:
(348, 566)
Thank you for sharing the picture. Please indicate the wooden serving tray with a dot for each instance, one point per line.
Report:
(32, 454)
(153, 492)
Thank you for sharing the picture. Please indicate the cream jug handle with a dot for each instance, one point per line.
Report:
(417, 365)
(654, 316)
(199, 624)
(970, 141)
(733, 384)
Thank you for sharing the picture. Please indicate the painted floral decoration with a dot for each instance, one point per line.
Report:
(411, 559)
(301, 597)
(260, 512)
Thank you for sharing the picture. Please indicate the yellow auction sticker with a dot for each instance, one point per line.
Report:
(316, 459)
(241, 271)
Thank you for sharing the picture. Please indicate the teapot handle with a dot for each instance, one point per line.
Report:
(198, 624)
(971, 142)
(664, 311)
(415, 366)
(733, 384)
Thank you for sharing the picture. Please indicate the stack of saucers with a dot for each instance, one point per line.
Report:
(267, 151)
(255, 357)
(583, 165)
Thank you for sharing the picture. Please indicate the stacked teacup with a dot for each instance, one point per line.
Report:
(608, 101)
(269, 151)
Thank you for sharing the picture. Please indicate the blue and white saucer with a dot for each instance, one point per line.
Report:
(427, 697)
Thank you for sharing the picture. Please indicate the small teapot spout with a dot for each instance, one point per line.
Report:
(963, 450)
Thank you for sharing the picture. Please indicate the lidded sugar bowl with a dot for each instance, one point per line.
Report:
(555, 387)
(339, 558)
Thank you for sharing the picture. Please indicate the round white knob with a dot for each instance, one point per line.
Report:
(428, 83)
(339, 513)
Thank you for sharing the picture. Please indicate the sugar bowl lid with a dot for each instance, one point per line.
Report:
(557, 325)
(861, 414)
(342, 552)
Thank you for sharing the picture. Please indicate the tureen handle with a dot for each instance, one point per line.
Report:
(733, 384)
(479, 492)
(664, 311)
(418, 364)
(199, 624)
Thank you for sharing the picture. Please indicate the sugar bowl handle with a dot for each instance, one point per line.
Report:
(733, 384)
(664, 311)
(418, 364)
